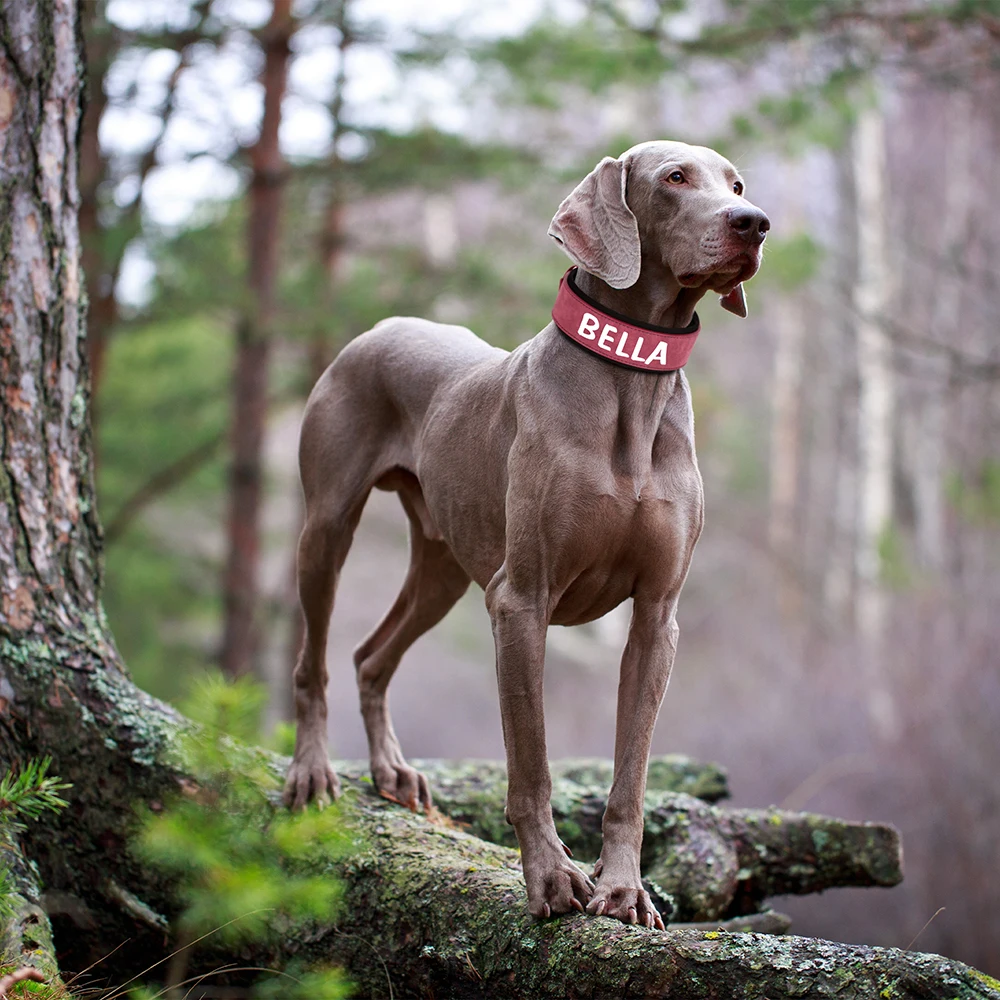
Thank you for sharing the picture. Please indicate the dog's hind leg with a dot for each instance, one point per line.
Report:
(433, 584)
(323, 546)
(340, 451)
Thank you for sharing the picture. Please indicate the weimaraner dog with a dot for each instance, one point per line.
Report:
(561, 477)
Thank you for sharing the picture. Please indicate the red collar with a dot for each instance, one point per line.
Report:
(617, 338)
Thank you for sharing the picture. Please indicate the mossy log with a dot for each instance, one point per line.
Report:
(25, 934)
(432, 911)
(703, 863)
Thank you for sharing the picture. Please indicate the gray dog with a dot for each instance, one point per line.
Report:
(560, 480)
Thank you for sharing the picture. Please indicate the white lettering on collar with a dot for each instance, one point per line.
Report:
(586, 329)
(659, 353)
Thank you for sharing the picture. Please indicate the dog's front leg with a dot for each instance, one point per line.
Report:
(645, 670)
(555, 884)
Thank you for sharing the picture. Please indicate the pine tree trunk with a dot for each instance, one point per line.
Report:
(320, 350)
(253, 337)
(100, 272)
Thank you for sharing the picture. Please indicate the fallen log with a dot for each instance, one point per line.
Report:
(26, 947)
(431, 911)
(703, 863)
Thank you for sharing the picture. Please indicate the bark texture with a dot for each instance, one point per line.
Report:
(702, 862)
(432, 911)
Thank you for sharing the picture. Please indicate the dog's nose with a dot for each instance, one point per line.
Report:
(751, 223)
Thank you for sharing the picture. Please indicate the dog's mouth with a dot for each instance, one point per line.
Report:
(724, 277)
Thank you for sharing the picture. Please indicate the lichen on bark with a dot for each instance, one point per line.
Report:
(702, 862)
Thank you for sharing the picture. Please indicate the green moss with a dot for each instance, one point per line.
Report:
(992, 983)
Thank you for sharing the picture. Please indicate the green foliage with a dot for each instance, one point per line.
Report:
(895, 569)
(978, 499)
(244, 868)
(283, 738)
(28, 792)
(592, 54)
(164, 394)
(430, 159)
(315, 984)
(808, 114)
(793, 261)
(25, 794)
(201, 270)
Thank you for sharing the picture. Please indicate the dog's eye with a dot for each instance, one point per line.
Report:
(738, 187)
(675, 178)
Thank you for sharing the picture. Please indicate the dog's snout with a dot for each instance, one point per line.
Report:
(751, 223)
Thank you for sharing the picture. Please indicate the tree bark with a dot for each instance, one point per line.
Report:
(102, 310)
(253, 335)
(431, 911)
(703, 862)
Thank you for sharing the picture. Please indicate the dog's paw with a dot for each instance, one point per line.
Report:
(631, 906)
(403, 784)
(558, 888)
(311, 777)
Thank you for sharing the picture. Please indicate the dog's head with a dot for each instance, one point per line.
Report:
(668, 207)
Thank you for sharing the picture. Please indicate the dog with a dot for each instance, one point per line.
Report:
(560, 476)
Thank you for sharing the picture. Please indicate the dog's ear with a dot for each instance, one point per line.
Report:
(597, 229)
(735, 302)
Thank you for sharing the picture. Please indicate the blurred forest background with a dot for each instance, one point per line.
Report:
(263, 180)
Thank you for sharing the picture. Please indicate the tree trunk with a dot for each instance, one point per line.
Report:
(253, 335)
(429, 910)
(320, 350)
(925, 433)
(839, 580)
(786, 422)
(433, 912)
(102, 311)
(104, 244)
(875, 408)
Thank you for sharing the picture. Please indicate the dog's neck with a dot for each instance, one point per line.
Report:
(631, 402)
(654, 300)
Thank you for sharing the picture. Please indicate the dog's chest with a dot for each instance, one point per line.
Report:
(615, 533)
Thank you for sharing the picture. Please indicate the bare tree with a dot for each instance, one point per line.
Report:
(875, 403)
(253, 342)
(924, 434)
